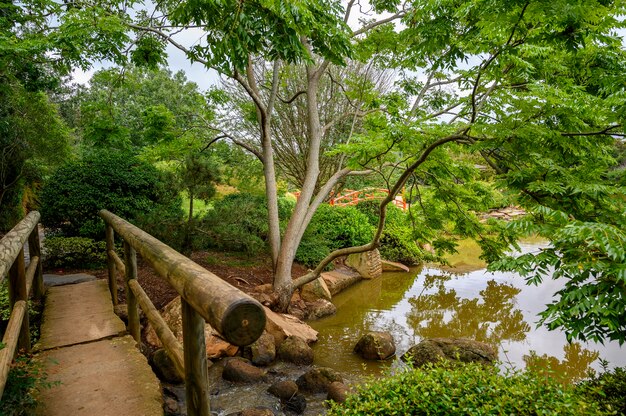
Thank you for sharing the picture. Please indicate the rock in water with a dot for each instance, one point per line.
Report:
(296, 404)
(317, 380)
(453, 349)
(376, 346)
(285, 389)
(164, 367)
(238, 370)
(368, 264)
(317, 289)
(262, 351)
(295, 350)
(337, 392)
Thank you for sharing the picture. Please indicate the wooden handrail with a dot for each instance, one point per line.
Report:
(204, 297)
(21, 282)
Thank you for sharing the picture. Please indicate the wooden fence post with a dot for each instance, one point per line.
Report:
(130, 258)
(110, 244)
(17, 292)
(196, 367)
(34, 248)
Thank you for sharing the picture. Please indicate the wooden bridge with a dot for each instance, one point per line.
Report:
(87, 351)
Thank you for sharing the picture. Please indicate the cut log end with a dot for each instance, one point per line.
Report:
(243, 322)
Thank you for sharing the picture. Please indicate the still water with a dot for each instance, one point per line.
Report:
(459, 301)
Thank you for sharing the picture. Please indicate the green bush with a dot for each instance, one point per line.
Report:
(397, 242)
(470, 389)
(78, 252)
(25, 378)
(608, 389)
(332, 228)
(119, 182)
(237, 222)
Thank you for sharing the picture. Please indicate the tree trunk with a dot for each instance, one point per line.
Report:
(190, 218)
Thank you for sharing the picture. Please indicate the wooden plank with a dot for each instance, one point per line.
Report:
(13, 242)
(196, 367)
(235, 315)
(130, 257)
(110, 245)
(119, 264)
(18, 291)
(169, 341)
(32, 270)
(34, 248)
(10, 340)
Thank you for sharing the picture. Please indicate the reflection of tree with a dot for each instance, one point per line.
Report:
(574, 366)
(492, 317)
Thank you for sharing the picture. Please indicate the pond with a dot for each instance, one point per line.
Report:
(459, 301)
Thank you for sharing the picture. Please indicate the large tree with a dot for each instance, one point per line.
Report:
(534, 87)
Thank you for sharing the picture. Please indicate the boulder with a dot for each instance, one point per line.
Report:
(297, 307)
(376, 345)
(280, 326)
(265, 295)
(295, 350)
(453, 349)
(320, 308)
(164, 367)
(317, 289)
(368, 264)
(240, 371)
(284, 390)
(262, 351)
(336, 280)
(392, 266)
(295, 404)
(216, 346)
(256, 411)
(337, 392)
(317, 380)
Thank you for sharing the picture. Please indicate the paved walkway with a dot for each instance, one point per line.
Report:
(84, 347)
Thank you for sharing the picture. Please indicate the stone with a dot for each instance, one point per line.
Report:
(240, 371)
(295, 404)
(256, 411)
(392, 266)
(121, 310)
(216, 346)
(317, 289)
(297, 307)
(262, 351)
(317, 380)
(337, 392)
(320, 309)
(265, 295)
(284, 390)
(295, 350)
(50, 280)
(337, 281)
(376, 345)
(164, 367)
(453, 349)
(368, 264)
(280, 326)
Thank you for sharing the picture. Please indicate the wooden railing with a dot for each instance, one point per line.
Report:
(204, 297)
(21, 281)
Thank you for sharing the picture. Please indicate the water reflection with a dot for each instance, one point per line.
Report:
(497, 308)
(491, 317)
(576, 364)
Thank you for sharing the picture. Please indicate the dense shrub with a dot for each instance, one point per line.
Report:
(332, 228)
(397, 242)
(470, 389)
(25, 378)
(119, 182)
(79, 252)
(238, 222)
(608, 389)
